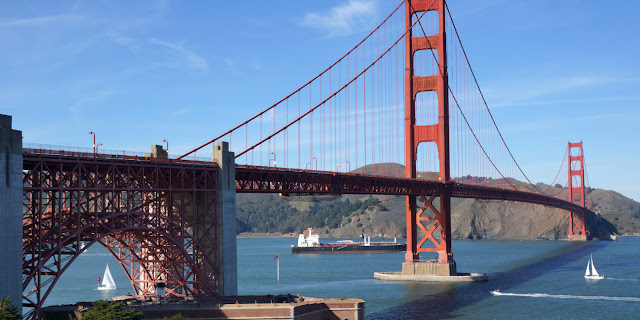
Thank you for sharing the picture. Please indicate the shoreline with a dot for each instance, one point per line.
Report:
(295, 236)
(248, 235)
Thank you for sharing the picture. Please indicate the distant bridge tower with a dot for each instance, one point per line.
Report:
(576, 169)
(434, 217)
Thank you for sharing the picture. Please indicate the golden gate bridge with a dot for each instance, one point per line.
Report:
(401, 113)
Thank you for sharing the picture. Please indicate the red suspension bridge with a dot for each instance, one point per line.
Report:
(401, 113)
(406, 94)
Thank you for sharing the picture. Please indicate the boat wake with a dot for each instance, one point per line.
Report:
(566, 296)
(619, 279)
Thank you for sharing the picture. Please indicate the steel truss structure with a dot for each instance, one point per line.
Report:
(252, 179)
(157, 218)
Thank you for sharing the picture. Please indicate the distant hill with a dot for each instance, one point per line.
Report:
(348, 216)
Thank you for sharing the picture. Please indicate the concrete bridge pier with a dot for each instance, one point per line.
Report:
(10, 212)
(226, 230)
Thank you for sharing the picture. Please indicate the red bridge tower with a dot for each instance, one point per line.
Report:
(434, 217)
(576, 169)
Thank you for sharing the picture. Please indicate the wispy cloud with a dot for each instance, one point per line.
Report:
(524, 94)
(190, 58)
(568, 101)
(90, 98)
(604, 116)
(179, 112)
(119, 39)
(533, 126)
(344, 19)
(228, 62)
(37, 21)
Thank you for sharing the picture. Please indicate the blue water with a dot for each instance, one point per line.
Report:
(545, 278)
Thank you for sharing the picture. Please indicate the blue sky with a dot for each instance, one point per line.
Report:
(140, 72)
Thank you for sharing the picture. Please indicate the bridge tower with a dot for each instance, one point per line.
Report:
(434, 217)
(576, 169)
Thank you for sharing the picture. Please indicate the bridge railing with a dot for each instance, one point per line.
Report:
(83, 152)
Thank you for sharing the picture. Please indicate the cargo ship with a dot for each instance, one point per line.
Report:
(311, 244)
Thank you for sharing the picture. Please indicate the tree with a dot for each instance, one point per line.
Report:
(108, 310)
(178, 316)
(8, 311)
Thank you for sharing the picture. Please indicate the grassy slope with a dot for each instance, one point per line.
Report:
(471, 219)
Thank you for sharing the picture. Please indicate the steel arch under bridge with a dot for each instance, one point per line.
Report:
(157, 218)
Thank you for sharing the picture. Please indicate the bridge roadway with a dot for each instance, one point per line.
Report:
(259, 179)
(253, 179)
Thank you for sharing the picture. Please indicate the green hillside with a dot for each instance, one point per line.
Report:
(384, 216)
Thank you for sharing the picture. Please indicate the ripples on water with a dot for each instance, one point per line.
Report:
(539, 279)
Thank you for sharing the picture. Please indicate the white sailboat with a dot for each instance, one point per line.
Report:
(591, 272)
(107, 281)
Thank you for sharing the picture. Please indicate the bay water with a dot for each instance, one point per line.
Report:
(540, 279)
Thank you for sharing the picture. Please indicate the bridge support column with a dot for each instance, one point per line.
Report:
(577, 229)
(226, 229)
(433, 218)
(10, 212)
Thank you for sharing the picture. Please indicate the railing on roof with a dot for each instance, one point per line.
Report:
(83, 152)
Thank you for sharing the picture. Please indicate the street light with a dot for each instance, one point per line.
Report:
(167, 141)
(94, 142)
(274, 159)
(349, 167)
(97, 145)
(314, 158)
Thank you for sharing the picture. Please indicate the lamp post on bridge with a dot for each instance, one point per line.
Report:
(94, 143)
(98, 145)
(314, 158)
(274, 159)
(167, 141)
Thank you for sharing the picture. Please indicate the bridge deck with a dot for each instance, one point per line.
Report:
(251, 179)
(255, 179)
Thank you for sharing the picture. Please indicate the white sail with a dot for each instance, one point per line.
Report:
(587, 272)
(591, 272)
(593, 268)
(107, 280)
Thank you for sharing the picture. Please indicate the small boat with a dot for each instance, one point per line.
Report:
(311, 244)
(107, 280)
(496, 292)
(591, 272)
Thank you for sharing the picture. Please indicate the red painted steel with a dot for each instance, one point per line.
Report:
(577, 228)
(157, 218)
(438, 219)
(251, 179)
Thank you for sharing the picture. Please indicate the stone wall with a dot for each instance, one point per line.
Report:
(10, 212)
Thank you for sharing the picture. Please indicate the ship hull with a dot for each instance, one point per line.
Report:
(351, 248)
